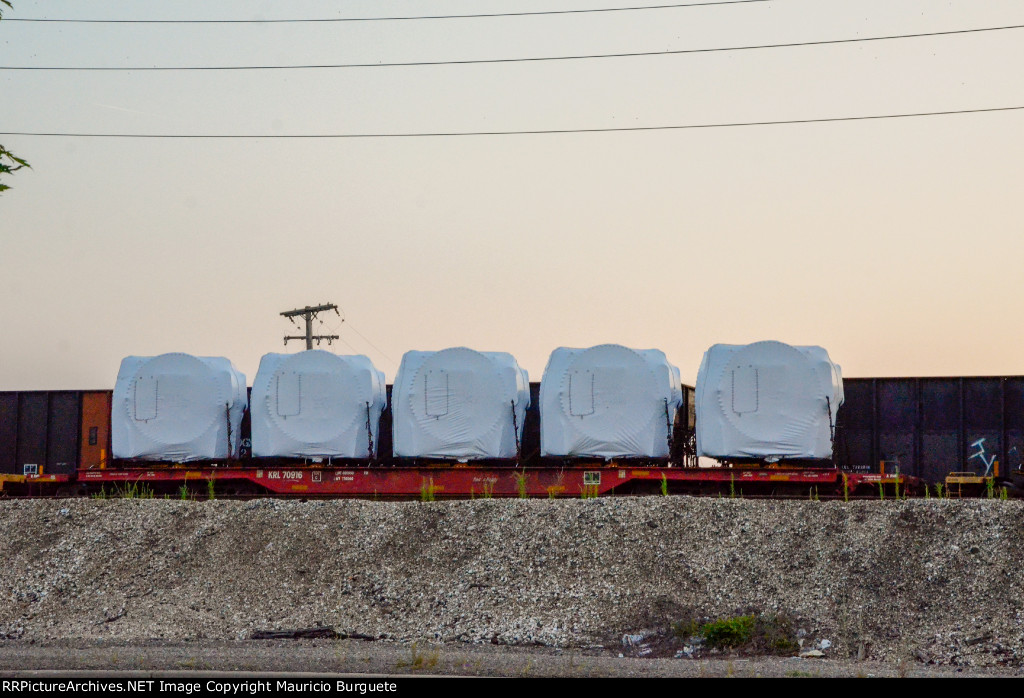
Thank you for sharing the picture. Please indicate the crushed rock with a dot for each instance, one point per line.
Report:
(933, 581)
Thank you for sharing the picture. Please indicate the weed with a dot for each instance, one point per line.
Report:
(881, 491)
(664, 485)
(1004, 493)
(760, 634)
(990, 488)
(800, 674)
(420, 660)
(938, 489)
(588, 491)
(775, 634)
(846, 488)
(927, 492)
(488, 490)
(732, 486)
(685, 629)
(729, 633)
(427, 491)
(521, 485)
(183, 492)
(210, 490)
(133, 490)
(102, 494)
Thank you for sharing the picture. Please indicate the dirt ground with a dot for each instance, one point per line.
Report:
(386, 658)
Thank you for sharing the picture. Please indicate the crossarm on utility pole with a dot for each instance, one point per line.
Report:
(310, 312)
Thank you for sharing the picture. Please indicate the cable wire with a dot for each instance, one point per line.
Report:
(526, 59)
(383, 19)
(379, 350)
(445, 134)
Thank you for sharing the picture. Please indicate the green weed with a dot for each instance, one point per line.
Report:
(664, 485)
(756, 634)
(134, 490)
(427, 491)
(521, 485)
(729, 633)
(210, 490)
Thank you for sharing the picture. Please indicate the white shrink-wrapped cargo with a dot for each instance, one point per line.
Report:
(459, 404)
(177, 407)
(608, 401)
(767, 401)
(316, 404)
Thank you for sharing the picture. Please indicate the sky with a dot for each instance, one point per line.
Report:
(897, 244)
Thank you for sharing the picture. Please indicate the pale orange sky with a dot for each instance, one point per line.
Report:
(894, 244)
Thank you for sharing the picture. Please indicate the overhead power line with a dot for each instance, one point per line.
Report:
(442, 134)
(383, 19)
(528, 59)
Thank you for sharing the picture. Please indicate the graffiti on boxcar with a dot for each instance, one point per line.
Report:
(980, 445)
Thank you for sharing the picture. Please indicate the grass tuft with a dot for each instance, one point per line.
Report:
(751, 634)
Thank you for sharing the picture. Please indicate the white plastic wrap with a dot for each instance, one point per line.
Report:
(608, 401)
(177, 407)
(459, 404)
(316, 404)
(767, 400)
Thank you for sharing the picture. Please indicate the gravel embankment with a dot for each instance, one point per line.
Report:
(920, 581)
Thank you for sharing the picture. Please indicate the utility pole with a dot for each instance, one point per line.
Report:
(310, 312)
